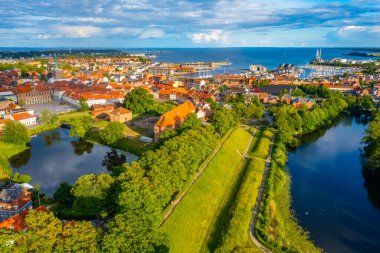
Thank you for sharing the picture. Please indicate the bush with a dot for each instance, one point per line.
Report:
(21, 178)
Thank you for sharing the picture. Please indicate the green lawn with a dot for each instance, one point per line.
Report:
(235, 235)
(192, 220)
(6, 151)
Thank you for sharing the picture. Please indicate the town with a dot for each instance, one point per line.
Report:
(62, 89)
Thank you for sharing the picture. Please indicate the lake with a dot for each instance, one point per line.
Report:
(55, 157)
(329, 194)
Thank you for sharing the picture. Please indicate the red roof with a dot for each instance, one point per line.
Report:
(22, 116)
(17, 222)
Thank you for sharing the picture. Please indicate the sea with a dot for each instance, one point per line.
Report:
(239, 57)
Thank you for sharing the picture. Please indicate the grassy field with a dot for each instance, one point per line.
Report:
(276, 227)
(8, 150)
(191, 221)
(235, 235)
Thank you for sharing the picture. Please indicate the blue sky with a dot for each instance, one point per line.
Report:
(186, 23)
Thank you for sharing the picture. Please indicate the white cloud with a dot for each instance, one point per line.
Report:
(79, 31)
(352, 30)
(210, 36)
(97, 20)
(152, 33)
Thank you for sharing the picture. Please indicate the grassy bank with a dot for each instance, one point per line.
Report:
(276, 227)
(235, 235)
(8, 150)
(190, 222)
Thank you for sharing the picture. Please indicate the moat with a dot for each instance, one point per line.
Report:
(55, 157)
(329, 194)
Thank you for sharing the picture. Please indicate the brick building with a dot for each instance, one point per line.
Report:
(33, 94)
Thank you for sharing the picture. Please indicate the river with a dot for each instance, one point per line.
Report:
(55, 157)
(329, 195)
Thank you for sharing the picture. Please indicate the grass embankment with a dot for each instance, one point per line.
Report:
(235, 235)
(190, 222)
(62, 118)
(276, 227)
(8, 150)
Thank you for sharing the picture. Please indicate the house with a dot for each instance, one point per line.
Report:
(14, 199)
(286, 99)
(25, 118)
(17, 222)
(173, 119)
(301, 102)
(121, 115)
(98, 110)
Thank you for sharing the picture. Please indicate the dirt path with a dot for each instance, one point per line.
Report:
(178, 200)
(258, 202)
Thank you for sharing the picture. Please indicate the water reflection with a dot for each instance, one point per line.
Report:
(373, 191)
(20, 159)
(56, 157)
(81, 146)
(51, 137)
(329, 195)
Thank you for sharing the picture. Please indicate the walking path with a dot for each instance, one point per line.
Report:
(178, 200)
(258, 202)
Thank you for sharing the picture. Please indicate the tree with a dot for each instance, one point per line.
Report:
(190, 122)
(21, 178)
(263, 82)
(21, 103)
(139, 101)
(48, 117)
(113, 132)
(223, 120)
(92, 192)
(80, 127)
(113, 161)
(166, 135)
(63, 194)
(78, 236)
(46, 234)
(83, 106)
(298, 93)
(16, 133)
(43, 231)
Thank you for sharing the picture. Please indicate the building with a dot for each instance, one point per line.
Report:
(33, 94)
(8, 95)
(25, 118)
(257, 69)
(99, 110)
(17, 222)
(121, 115)
(14, 199)
(173, 119)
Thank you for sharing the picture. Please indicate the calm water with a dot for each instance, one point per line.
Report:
(328, 190)
(239, 57)
(55, 157)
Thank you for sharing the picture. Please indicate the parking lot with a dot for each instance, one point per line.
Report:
(54, 106)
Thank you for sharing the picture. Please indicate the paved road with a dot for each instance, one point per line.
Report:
(258, 202)
(178, 200)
